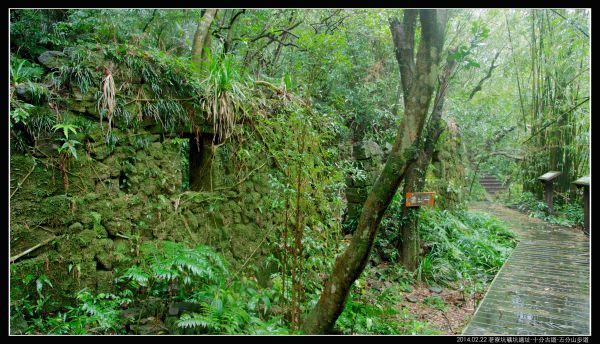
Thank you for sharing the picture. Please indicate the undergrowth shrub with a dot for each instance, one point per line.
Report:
(382, 317)
(462, 245)
(566, 212)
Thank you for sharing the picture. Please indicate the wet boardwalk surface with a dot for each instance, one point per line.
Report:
(543, 288)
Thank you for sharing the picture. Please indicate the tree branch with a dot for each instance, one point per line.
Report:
(45, 242)
(557, 118)
(150, 21)
(487, 76)
(507, 154)
(573, 24)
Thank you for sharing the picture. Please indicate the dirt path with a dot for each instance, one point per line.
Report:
(543, 288)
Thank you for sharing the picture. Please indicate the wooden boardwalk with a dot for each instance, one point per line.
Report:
(544, 286)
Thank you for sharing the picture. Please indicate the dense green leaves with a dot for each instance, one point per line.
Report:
(463, 246)
(291, 91)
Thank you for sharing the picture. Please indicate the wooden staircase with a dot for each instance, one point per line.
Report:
(491, 184)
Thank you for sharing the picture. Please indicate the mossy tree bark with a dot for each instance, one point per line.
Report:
(414, 180)
(418, 81)
(202, 37)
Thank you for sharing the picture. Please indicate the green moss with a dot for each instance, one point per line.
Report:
(75, 228)
(56, 268)
(104, 253)
(100, 151)
(55, 211)
(118, 226)
(86, 237)
(104, 281)
(42, 181)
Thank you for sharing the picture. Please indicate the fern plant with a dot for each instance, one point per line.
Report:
(174, 262)
(67, 150)
(217, 318)
(102, 310)
(172, 266)
(230, 309)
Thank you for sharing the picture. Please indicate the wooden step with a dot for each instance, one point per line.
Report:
(492, 185)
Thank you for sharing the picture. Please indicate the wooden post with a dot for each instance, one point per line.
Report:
(548, 195)
(548, 180)
(584, 182)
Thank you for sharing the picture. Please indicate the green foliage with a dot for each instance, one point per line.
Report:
(22, 70)
(184, 146)
(301, 144)
(66, 128)
(93, 314)
(200, 276)
(68, 146)
(462, 246)
(565, 213)
(383, 317)
(342, 69)
(24, 73)
(79, 70)
(39, 92)
(20, 114)
(101, 310)
(136, 277)
(223, 95)
(221, 315)
(435, 302)
(33, 31)
(241, 307)
(173, 263)
(40, 282)
(367, 319)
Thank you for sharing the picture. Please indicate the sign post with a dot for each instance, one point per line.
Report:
(548, 180)
(419, 199)
(584, 182)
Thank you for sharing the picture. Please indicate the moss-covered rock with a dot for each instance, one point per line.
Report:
(52, 59)
(105, 281)
(104, 254)
(86, 238)
(75, 228)
(118, 226)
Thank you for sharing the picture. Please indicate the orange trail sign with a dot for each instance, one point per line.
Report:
(419, 199)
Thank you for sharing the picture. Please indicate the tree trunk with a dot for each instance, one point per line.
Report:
(227, 46)
(200, 160)
(414, 181)
(200, 37)
(419, 79)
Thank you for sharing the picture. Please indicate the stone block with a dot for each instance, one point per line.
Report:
(52, 59)
(366, 150)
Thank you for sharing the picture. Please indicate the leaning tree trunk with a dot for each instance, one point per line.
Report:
(201, 37)
(414, 180)
(418, 80)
